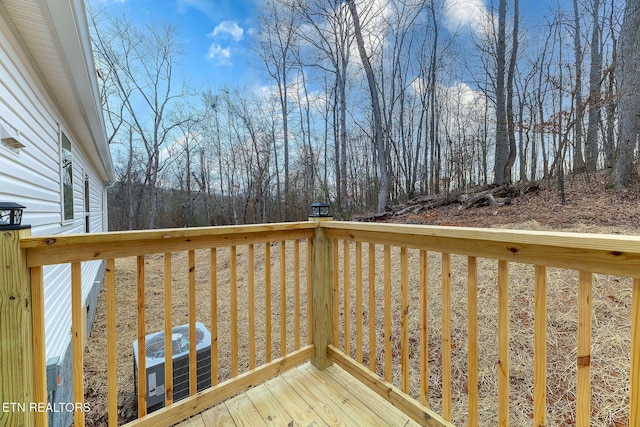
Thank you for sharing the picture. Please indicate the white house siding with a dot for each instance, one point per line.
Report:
(31, 176)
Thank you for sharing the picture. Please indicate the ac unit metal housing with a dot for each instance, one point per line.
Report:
(180, 359)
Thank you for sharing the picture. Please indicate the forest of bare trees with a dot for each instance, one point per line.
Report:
(369, 102)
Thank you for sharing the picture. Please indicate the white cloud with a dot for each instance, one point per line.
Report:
(463, 13)
(219, 55)
(227, 29)
(230, 32)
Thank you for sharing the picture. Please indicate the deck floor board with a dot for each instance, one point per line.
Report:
(305, 397)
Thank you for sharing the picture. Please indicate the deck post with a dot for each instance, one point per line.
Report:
(16, 345)
(322, 293)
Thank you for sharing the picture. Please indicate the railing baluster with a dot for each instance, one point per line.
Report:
(234, 310)
(267, 290)
(387, 314)
(503, 343)
(372, 307)
(540, 344)
(110, 279)
(168, 335)
(77, 333)
(359, 301)
(296, 290)
(424, 330)
(251, 297)
(193, 378)
(142, 344)
(39, 348)
(446, 336)
(309, 293)
(336, 293)
(472, 304)
(583, 391)
(213, 279)
(634, 403)
(347, 296)
(404, 319)
(283, 299)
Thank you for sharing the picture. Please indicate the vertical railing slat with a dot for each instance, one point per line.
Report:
(387, 314)
(336, 293)
(347, 296)
(112, 378)
(168, 325)
(142, 345)
(296, 293)
(634, 415)
(38, 343)
(309, 294)
(283, 299)
(503, 343)
(404, 319)
(424, 330)
(583, 391)
(251, 302)
(372, 307)
(446, 336)
(213, 289)
(540, 351)
(358, 308)
(267, 291)
(472, 304)
(77, 333)
(193, 378)
(233, 259)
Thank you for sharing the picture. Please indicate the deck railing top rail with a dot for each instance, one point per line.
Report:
(47, 250)
(595, 253)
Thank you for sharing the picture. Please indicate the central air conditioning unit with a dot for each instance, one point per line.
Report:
(180, 357)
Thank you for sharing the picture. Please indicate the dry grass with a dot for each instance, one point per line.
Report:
(610, 337)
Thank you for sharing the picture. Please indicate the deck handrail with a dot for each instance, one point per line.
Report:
(588, 254)
(75, 249)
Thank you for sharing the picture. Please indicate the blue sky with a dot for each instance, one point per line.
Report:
(215, 35)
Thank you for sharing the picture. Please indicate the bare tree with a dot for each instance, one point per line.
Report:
(511, 158)
(629, 95)
(595, 81)
(327, 30)
(139, 64)
(277, 49)
(578, 158)
(502, 135)
(378, 137)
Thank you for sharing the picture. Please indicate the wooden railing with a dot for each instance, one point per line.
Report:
(395, 263)
(281, 251)
(383, 301)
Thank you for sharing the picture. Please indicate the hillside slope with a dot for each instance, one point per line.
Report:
(590, 207)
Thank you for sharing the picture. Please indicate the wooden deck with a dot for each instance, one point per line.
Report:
(305, 396)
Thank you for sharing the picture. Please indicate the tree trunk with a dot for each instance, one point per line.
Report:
(595, 71)
(578, 158)
(502, 136)
(510, 77)
(629, 95)
(383, 194)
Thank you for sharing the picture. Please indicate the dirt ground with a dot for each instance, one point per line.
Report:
(589, 208)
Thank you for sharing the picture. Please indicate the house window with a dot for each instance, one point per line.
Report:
(67, 178)
(86, 204)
